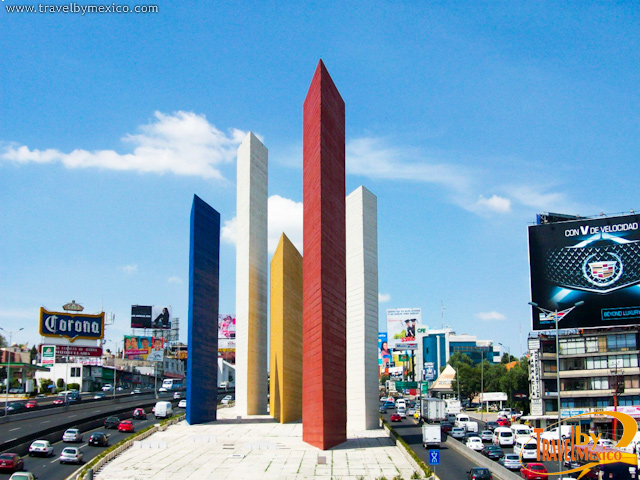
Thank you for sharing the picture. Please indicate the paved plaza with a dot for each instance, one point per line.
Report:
(254, 448)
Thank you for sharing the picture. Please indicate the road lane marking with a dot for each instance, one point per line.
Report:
(47, 421)
(13, 429)
(71, 416)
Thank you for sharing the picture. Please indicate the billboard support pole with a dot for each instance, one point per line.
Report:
(155, 377)
(555, 313)
(8, 385)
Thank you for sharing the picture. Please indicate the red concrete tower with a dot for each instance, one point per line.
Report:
(324, 354)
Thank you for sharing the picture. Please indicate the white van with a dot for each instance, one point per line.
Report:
(521, 430)
(502, 436)
(528, 447)
(401, 403)
(471, 427)
(461, 420)
(163, 410)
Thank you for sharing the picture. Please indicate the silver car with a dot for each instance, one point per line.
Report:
(72, 435)
(510, 461)
(486, 435)
(71, 455)
(457, 433)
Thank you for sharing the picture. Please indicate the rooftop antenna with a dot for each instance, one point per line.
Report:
(442, 313)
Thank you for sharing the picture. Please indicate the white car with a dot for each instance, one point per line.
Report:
(41, 447)
(107, 388)
(486, 435)
(162, 389)
(72, 435)
(177, 395)
(23, 476)
(135, 391)
(402, 412)
(71, 455)
(226, 400)
(182, 403)
(475, 443)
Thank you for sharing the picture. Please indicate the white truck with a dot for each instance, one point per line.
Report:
(431, 435)
(432, 410)
(453, 406)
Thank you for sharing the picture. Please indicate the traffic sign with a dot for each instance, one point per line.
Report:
(404, 358)
(434, 457)
(404, 385)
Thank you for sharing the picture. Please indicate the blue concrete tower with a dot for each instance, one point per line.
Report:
(204, 284)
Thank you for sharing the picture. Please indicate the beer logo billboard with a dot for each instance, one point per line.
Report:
(73, 326)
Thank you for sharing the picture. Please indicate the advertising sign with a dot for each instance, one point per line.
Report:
(401, 327)
(227, 327)
(429, 372)
(48, 356)
(138, 347)
(72, 326)
(493, 397)
(534, 373)
(75, 351)
(595, 261)
(384, 352)
(536, 407)
(152, 317)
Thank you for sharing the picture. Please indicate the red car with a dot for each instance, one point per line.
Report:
(395, 417)
(11, 462)
(534, 471)
(31, 404)
(139, 414)
(126, 426)
(504, 422)
(58, 401)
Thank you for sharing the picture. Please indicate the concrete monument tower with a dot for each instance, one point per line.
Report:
(251, 278)
(324, 402)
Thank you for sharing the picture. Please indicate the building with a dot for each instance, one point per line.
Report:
(435, 347)
(595, 365)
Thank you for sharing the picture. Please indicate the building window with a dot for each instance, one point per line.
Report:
(571, 364)
(599, 383)
(592, 344)
(75, 372)
(572, 346)
(621, 342)
(632, 382)
(549, 367)
(596, 362)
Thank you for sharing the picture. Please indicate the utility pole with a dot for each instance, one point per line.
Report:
(8, 386)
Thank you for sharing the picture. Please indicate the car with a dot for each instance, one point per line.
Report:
(534, 471)
(58, 401)
(510, 461)
(70, 455)
(402, 412)
(503, 422)
(41, 447)
(605, 442)
(411, 411)
(136, 391)
(226, 400)
(139, 414)
(177, 395)
(119, 389)
(99, 396)
(182, 403)
(474, 443)
(468, 435)
(493, 452)
(15, 407)
(162, 389)
(492, 426)
(111, 422)
(107, 387)
(479, 473)
(486, 435)
(72, 435)
(31, 404)
(23, 476)
(395, 417)
(11, 462)
(126, 426)
(389, 404)
(457, 433)
(382, 409)
(445, 427)
(417, 414)
(99, 439)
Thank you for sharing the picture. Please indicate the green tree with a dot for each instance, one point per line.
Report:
(44, 385)
(60, 383)
(33, 353)
(3, 341)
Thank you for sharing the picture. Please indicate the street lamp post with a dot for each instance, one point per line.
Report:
(509, 400)
(6, 401)
(555, 314)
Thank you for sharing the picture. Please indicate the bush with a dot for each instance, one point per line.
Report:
(44, 385)
(60, 383)
(74, 386)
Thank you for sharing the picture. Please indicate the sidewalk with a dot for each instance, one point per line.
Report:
(254, 448)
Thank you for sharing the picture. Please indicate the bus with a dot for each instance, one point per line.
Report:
(173, 384)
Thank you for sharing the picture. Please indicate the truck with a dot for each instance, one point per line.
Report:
(453, 406)
(432, 410)
(431, 435)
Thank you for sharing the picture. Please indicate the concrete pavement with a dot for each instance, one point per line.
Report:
(255, 448)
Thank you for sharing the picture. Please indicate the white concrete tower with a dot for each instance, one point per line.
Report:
(252, 270)
(362, 310)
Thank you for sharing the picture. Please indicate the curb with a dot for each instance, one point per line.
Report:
(406, 454)
(499, 472)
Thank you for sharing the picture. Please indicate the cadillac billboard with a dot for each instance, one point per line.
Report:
(595, 261)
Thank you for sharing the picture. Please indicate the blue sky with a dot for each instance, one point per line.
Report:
(464, 119)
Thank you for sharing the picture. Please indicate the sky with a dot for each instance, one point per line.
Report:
(465, 119)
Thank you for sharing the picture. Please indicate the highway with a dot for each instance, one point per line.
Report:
(51, 469)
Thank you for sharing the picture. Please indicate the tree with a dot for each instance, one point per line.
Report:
(60, 383)
(3, 341)
(44, 385)
(33, 353)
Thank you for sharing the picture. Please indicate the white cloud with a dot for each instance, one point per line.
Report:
(285, 216)
(384, 297)
(491, 316)
(541, 199)
(495, 203)
(182, 143)
(129, 269)
(175, 280)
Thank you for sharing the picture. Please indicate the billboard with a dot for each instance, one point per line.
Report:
(74, 351)
(71, 326)
(227, 327)
(595, 261)
(384, 352)
(139, 347)
(401, 327)
(148, 316)
(48, 355)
